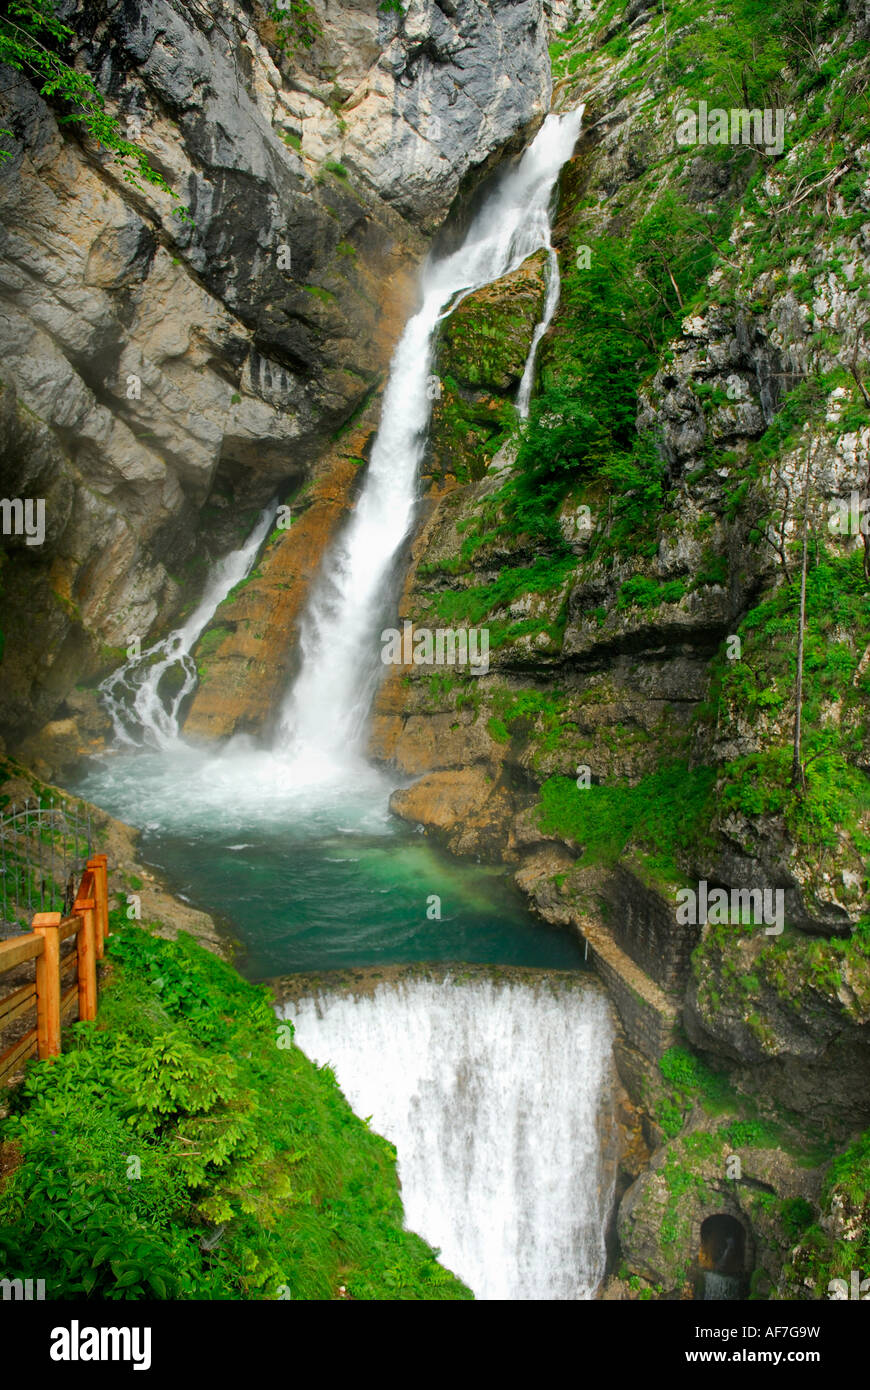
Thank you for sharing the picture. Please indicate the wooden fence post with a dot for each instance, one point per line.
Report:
(48, 985)
(87, 958)
(99, 864)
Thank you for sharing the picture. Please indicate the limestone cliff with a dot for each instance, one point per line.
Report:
(161, 378)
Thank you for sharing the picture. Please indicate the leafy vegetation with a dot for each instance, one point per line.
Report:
(469, 430)
(183, 1147)
(526, 711)
(761, 687)
(642, 592)
(32, 41)
(472, 605)
(658, 819)
(296, 25)
(208, 644)
(840, 1246)
(837, 969)
(617, 313)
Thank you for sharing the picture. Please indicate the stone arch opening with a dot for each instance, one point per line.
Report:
(723, 1245)
(722, 1259)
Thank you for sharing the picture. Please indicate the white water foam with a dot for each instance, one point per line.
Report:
(524, 394)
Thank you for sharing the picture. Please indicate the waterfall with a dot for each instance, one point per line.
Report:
(720, 1286)
(142, 711)
(325, 712)
(322, 721)
(495, 1092)
(524, 394)
(495, 1096)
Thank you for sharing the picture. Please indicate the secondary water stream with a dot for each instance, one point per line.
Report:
(492, 1097)
(143, 704)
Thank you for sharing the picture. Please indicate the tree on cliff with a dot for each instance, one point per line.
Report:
(32, 38)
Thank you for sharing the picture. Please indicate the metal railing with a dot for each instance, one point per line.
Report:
(44, 849)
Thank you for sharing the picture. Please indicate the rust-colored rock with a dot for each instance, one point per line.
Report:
(467, 809)
(247, 655)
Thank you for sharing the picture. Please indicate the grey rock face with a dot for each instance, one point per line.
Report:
(461, 81)
(180, 366)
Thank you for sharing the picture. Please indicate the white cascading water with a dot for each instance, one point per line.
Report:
(139, 710)
(325, 713)
(524, 394)
(496, 1097)
(321, 726)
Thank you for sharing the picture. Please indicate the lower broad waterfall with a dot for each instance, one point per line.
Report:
(495, 1094)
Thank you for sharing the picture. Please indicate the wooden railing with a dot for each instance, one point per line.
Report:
(50, 994)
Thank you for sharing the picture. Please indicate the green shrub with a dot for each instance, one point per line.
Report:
(183, 1078)
(664, 815)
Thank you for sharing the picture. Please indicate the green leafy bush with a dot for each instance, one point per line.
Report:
(180, 1112)
(666, 813)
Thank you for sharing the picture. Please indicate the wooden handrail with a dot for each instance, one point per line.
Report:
(16, 949)
(48, 985)
(86, 887)
(86, 945)
(99, 865)
(18, 1052)
(68, 927)
(88, 923)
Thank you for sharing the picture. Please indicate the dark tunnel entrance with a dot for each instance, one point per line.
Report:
(722, 1258)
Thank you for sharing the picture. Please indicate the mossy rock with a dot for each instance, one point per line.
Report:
(486, 341)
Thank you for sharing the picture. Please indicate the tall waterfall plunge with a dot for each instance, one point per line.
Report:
(495, 1095)
(325, 713)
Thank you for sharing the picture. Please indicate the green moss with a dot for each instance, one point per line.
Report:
(486, 340)
(467, 431)
(675, 1226)
(837, 969)
(207, 645)
(795, 1213)
(325, 296)
(751, 1134)
(475, 603)
(641, 592)
(616, 313)
(663, 816)
(824, 1254)
(837, 633)
(669, 1116)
